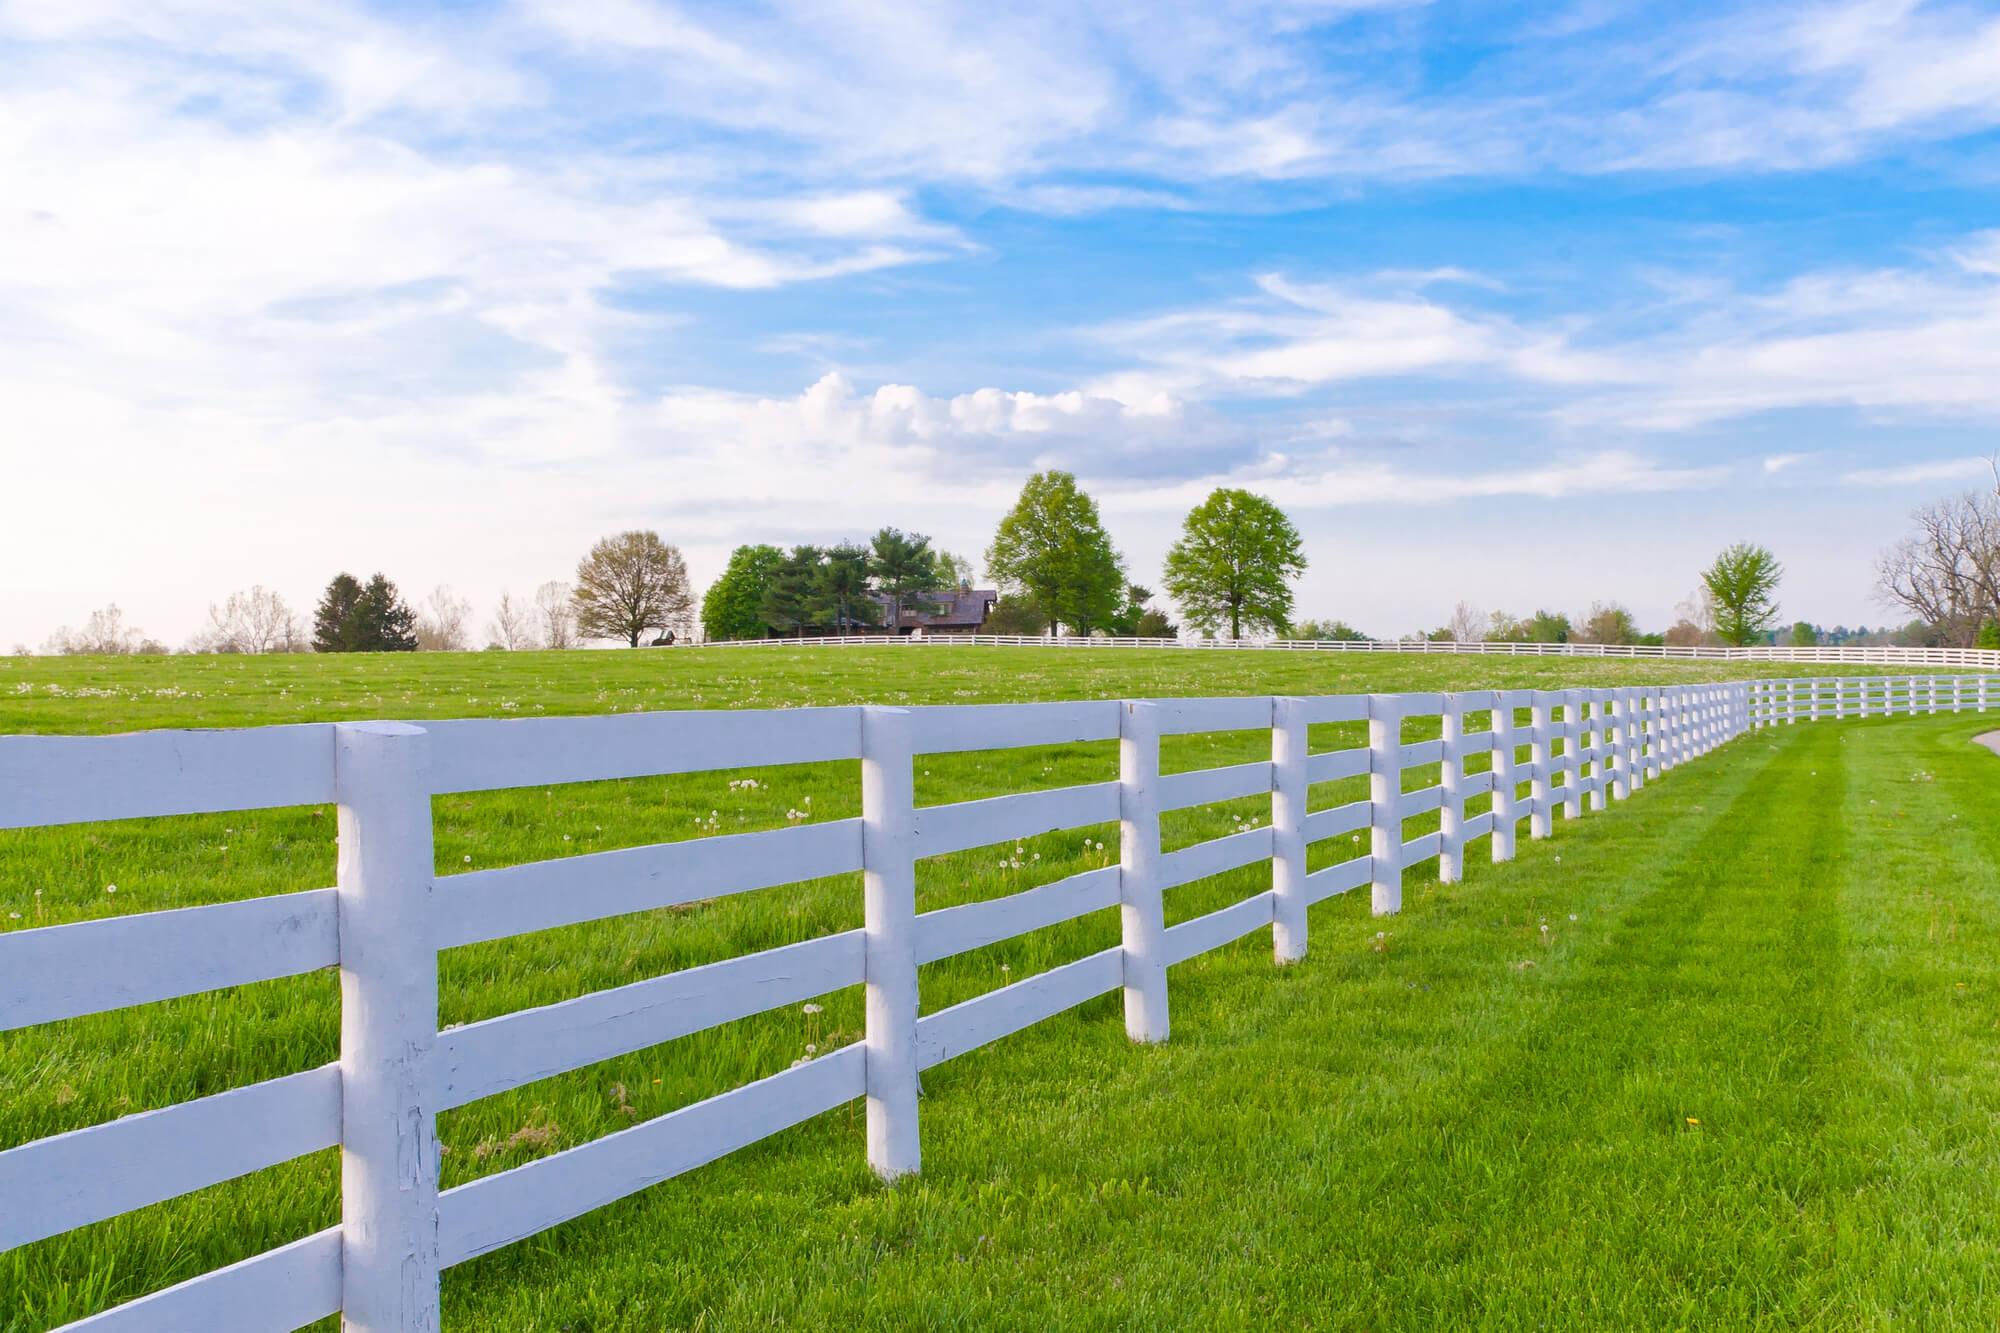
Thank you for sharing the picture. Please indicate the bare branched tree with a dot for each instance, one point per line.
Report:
(555, 618)
(105, 633)
(630, 585)
(1948, 573)
(513, 625)
(442, 622)
(252, 621)
(1467, 623)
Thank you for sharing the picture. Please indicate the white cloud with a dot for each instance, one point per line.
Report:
(1910, 474)
(1776, 463)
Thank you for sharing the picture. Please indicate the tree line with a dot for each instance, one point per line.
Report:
(1055, 569)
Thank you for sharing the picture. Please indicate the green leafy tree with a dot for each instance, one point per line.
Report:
(1805, 634)
(840, 591)
(1608, 622)
(1016, 615)
(1052, 549)
(1127, 618)
(732, 608)
(1989, 635)
(631, 582)
(353, 617)
(953, 571)
(904, 570)
(1325, 631)
(787, 604)
(1234, 563)
(1548, 627)
(1741, 584)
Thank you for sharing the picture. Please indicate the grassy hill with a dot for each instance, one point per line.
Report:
(1745, 1076)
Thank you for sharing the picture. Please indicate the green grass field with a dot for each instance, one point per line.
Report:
(1746, 1076)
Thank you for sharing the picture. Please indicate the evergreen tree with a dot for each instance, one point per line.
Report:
(1052, 550)
(733, 606)
(333, 620)
(840, 592)
(904, 569)
(354, 617)
(787, 604)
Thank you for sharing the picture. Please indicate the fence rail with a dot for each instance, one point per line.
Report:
(1983, 659)
(387, 918)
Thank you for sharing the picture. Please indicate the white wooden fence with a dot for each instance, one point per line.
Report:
(1983, 659)
(389, 915)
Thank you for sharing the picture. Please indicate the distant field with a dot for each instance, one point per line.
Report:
(59, 694)
(1791, 942)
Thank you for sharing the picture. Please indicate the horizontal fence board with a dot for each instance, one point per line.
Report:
(56, 972)
(1214, 857)
(82, 779)
(1421, 704)
(493, 1056)
(1421, 848)
(1479, 825)
(1419, 802)
(1184, 717)
(947, 728)
(1193, 938)
(1335, 820)
(955, 930)
(1475, 784)
(514, 900)
(1336, 708)
(1476, 701)
(489, 754)
(486, 1214)
(942, 829)
(1333, 765)
(952, 1032)
(273, 1292)
(1339, 878)
(1178, 791)
(1477, 742)
(70, 1180)
(1421, 754)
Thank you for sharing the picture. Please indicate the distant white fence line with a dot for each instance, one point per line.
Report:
(1984, 659)
(389, 915)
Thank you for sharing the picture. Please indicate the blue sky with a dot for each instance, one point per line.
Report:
(1519, 306)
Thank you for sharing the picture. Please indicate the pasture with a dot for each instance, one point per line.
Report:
(1743, 1076)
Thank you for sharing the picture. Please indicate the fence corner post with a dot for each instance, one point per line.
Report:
(1288, 829)
(1385, 803)
(388, 1029)
(889, 922)
(1451, 802)
(1142, 911)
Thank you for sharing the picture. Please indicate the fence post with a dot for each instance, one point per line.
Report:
(1603, 756)
(1385, 802)
(1572, 715)
(388, 1030)
(889, 916)
(1541, 759)
(1142, 911)
(1451, 803)
(1288, 829)
(1505, 784)
(1982, 692)
(1618, 738)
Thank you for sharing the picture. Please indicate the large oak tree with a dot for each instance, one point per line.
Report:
(630, 583)
(1234, 563)
(1052, 550)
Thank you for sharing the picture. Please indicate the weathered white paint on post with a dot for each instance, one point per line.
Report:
(889, 924)
(388, 1030)
(1288, 830)
(1451, 800)
(1541, 722)
(1572, 761)
(1505, 783)
(1385, 802)
(1142, 909)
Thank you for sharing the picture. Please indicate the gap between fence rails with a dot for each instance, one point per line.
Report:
(388, 916)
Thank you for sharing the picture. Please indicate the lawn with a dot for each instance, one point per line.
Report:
(1745, 1076)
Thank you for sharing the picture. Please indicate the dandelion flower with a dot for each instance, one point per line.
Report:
(1695, 1122)
(809, 1009)
(468, 860)
(111, 888)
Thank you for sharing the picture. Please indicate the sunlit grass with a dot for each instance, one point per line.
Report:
(1466, 1119)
